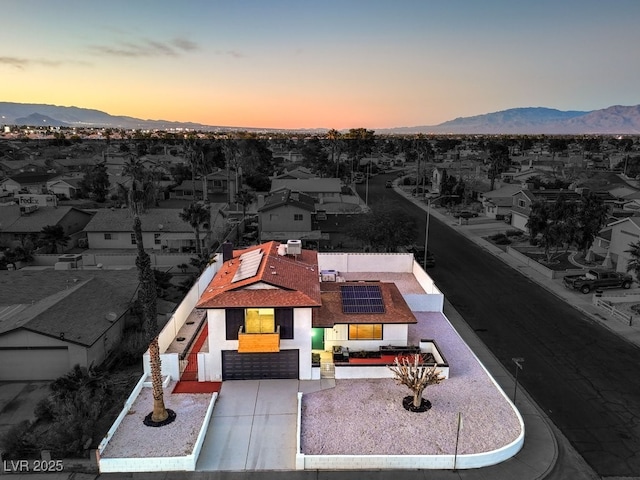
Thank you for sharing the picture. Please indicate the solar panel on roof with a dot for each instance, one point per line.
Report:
(249, 264)
(361, 299)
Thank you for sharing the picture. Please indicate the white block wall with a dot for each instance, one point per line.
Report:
(185, 463)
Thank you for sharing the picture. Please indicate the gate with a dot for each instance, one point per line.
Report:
(189, 368)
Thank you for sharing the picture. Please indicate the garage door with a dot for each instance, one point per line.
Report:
(259, 366)
(33, 363)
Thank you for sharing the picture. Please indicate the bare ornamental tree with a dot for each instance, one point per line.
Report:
(416, 376)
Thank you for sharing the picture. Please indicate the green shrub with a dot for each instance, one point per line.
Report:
(513, 233)
(44, 410)
(18, 442)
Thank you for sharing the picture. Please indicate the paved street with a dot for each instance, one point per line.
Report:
(575, 369)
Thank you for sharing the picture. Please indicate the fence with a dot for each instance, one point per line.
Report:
(610, 308)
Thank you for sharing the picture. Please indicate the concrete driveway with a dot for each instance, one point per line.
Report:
(253, 427)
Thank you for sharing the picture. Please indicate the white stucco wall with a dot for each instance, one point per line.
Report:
(366, 262)
(218, 342)
(392, 334)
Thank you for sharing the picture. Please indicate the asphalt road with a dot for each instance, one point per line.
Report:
(581, 374)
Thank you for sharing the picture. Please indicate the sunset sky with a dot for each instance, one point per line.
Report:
(332, 64)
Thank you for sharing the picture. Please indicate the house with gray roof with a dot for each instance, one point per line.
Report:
(53, 320)
(322, 189)
(287, 214)
(19, 222)
(162, 229)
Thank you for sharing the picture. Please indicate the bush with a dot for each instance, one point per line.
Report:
(44, 410)
(513, 233)
(18, 442)
(500, 239)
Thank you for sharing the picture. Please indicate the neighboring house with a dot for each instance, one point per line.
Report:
(295, 174)
(19, 222)
(266, 303)
(217, 182)
(524, 198)
(620, 234)
(162, 229)
(52, 320)
(26, 182)
(64, 186)
(324, 190)
(287, 215)
(498, 202)
(188, 190)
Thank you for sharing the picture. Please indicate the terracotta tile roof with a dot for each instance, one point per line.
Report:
(280, 281)
(396, 308)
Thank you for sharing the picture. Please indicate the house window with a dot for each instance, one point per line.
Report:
(321, 215)
(521, 203)
(259, 320)
(156, 238)
(133, 239)
(298, 217)
(365, 331)
(234, 319)
(284, 319)
(107, 236)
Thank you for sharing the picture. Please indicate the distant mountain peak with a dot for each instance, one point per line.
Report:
(617, 119)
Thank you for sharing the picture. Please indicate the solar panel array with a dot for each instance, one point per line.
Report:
(361, 299)
(249, 264)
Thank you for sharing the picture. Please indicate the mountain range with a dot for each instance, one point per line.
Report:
(623, 120)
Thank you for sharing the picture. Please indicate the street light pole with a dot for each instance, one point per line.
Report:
(426, 236)
(518, 361)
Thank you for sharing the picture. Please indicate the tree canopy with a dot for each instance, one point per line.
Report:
(383, 229)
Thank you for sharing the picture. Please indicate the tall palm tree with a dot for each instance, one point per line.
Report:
(147, 294)
(195, 215)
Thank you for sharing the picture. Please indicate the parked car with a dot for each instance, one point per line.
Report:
(388, 184)
(465, 214)
(596, 279)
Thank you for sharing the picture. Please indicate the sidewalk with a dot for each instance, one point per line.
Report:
(477, 229)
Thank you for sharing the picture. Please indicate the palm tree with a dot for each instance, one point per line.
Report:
(245, 198)
(53, 235)
(195, 215)
(147, 293)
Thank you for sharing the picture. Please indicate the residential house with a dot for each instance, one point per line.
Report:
(162, 229)
(18, 223)
(524, 198)
(294, 174)
(26, 182)
(65, 187)
(324, 190)
(52, 320)
(288, 215)
(266, 303)
(614, 240)
(497, 203)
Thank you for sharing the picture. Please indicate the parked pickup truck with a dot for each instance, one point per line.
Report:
(595, 279)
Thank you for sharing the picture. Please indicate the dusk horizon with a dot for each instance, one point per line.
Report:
(287, 65)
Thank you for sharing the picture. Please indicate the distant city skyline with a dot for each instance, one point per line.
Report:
(335, 64)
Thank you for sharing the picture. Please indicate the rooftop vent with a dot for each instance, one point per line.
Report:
(294, 247)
